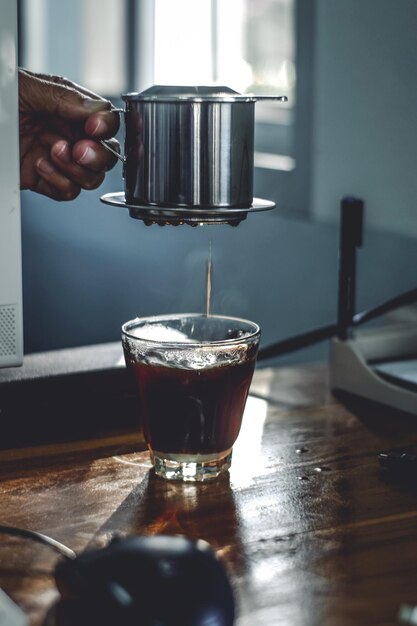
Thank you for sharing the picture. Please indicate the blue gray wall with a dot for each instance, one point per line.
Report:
(364, 110)
(89, 267)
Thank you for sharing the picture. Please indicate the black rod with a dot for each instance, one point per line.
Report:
(130, 45)
(298, 342)
(351, 220)
(408, 297)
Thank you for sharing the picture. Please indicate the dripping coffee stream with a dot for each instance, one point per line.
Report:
(209, 279)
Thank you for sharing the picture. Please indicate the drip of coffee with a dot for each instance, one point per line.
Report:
(209, 279)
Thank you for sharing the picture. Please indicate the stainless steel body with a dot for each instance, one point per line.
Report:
(189, 147)
(189, 153)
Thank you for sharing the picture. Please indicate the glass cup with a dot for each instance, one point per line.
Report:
(193, 374)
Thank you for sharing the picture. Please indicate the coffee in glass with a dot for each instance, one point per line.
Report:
(193, 374)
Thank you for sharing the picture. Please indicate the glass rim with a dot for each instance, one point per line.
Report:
(183, 344)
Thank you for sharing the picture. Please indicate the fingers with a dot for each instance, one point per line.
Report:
(58, 96)
(102, 125)
(65, 176)
(94, 156)
(43, 96)
(58, 160)
(83, 160)
(52, 183)
(56, 184)
(65, 170)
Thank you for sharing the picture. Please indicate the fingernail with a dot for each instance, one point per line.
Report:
(95, 105)
(88, 156)
(99, 129)
(62, 151)
(45, 166)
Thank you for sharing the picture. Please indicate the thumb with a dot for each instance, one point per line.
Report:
(40, 95)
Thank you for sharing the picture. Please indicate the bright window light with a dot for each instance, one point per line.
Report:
(247, 45)
(183, 54)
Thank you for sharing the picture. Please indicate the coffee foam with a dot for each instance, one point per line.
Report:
(185, 358)
(160, 334)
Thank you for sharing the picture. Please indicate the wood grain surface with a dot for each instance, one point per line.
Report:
(309, 527)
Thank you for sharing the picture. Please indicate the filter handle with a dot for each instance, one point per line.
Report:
(105, 144)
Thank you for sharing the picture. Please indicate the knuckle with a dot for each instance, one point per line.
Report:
(63, 98)
(71, 193)
(93, 182)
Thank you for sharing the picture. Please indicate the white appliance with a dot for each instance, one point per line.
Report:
(11, 318)
(378, 364)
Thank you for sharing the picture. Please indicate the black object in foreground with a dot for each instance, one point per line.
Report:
(145, 581)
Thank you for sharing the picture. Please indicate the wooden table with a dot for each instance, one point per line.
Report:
(310, 529)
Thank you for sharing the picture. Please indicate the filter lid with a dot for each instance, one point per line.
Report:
(189, 93)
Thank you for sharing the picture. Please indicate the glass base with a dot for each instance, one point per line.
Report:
(193, 468)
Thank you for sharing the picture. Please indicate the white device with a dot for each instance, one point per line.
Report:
(378, 364)
(10, 614)
(11, 317)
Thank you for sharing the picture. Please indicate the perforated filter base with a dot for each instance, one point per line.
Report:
(193, 216)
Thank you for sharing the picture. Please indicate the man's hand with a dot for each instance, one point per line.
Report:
(61, 125)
